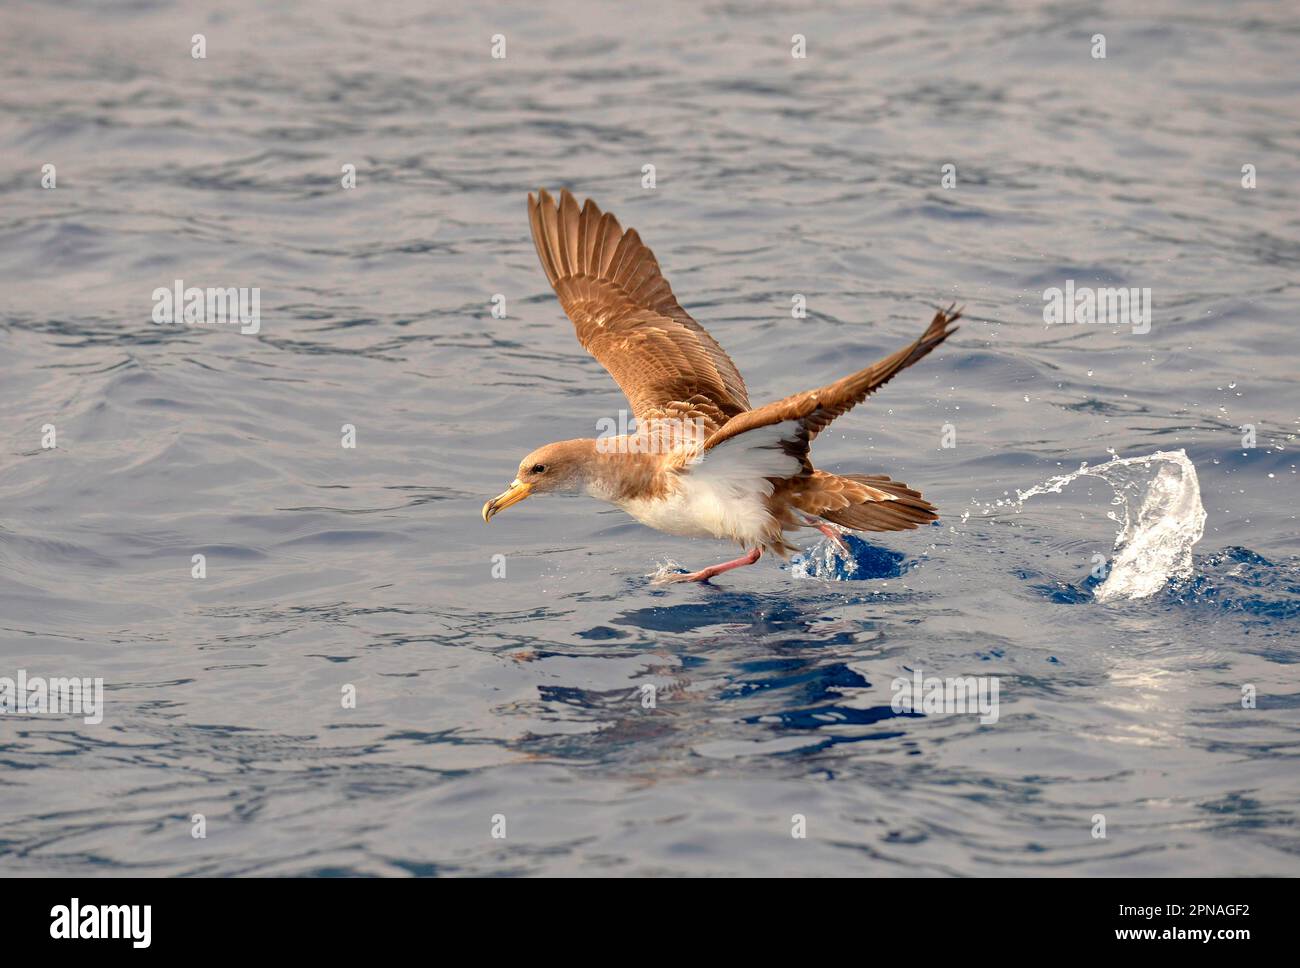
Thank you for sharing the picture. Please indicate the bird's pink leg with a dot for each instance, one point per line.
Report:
(713, 570)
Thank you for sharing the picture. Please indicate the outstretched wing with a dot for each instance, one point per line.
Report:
(812, 410)
(626, 316)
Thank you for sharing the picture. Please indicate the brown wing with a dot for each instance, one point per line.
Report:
(814, 409)
(627, 317)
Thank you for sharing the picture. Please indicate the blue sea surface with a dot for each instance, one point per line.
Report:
(499, 671)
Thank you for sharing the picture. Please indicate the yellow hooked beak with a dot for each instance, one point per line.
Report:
(513, 494)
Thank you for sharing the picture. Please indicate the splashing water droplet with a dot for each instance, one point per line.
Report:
(1154, 545)
(823, 561)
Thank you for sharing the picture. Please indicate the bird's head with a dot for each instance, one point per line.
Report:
(561, 466)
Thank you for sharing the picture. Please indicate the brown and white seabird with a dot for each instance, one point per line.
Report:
(702, 462)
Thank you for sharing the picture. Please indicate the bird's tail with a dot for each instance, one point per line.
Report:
(877, 503)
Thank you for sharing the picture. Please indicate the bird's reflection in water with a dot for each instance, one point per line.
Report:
(732, 674)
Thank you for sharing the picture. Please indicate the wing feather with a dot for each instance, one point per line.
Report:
(626, 316)
(815, 409)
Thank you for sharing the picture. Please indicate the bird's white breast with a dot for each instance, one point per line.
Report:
(722, 494)
(696, 509)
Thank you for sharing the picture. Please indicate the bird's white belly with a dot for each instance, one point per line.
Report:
(721, 493)
(696, 509)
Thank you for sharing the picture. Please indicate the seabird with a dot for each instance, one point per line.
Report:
(702, 462)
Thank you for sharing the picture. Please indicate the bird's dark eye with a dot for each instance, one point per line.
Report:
(539, 468)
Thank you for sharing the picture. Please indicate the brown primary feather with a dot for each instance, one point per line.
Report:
(863, 502)
(815, 409)
(626, 316)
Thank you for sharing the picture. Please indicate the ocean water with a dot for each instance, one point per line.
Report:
(517, 704)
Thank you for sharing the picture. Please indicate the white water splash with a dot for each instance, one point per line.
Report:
(665, 570)
(1156, 545)
(825, 560)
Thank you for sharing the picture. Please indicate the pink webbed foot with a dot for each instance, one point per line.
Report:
(836, 538)
(712, 570)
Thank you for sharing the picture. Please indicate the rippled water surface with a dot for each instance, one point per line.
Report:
(521, 696)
